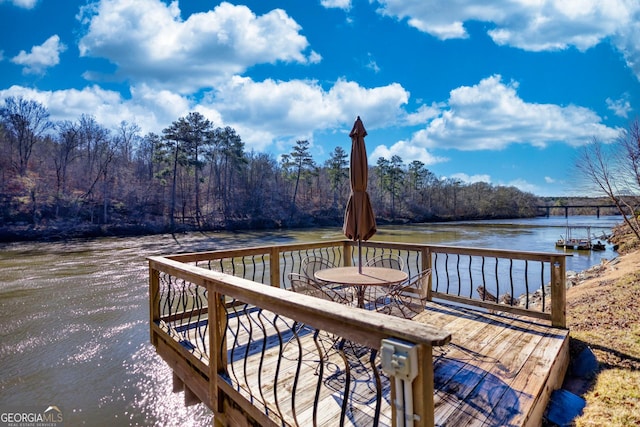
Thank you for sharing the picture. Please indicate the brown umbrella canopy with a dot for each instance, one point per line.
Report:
(359, 221)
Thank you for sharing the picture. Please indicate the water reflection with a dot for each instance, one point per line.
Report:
(74, 315)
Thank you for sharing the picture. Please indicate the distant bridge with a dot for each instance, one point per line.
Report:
(567, 207)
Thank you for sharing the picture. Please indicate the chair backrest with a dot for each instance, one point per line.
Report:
(419, 284)
(311, 264)
(406, 299)
(388, 261)
(301, 284)
(423, 282)
(308, 286)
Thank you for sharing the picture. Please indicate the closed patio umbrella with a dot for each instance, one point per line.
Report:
(359, 220)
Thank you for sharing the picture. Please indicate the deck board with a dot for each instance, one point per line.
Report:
(495, 372)
(495, 369)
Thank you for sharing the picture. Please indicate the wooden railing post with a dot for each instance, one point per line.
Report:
(558, 292)
(217, 319)
(154, 295)
(274, 266)
(423, 388)
(346, 254)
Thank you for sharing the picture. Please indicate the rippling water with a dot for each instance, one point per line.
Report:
(74, 315)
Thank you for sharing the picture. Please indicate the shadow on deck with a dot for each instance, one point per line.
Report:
(496, 371)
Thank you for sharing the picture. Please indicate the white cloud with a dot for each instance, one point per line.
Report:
(530, 25)
(626, 40)
(372, 64)
(297, 108)
(337, 4)
(25, 4)
(549, 180)
(41, 57)
(470, 179)
(620, 107)
(424, 114)
(522, 185)
(148, 40)
(491, 116)
(151, 110)
(267, 115)
(314, 57)
(407, 151)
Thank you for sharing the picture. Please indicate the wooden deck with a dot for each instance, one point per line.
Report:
(497, 371)
(232, 343)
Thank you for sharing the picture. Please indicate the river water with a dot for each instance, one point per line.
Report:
(74, 315)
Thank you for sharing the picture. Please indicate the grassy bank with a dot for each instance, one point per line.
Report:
(603, 313)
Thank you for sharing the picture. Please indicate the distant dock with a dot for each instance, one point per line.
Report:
(582, 243)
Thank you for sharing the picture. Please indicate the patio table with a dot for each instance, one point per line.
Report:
(361, 277)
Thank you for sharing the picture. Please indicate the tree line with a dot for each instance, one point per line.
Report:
(195, 175)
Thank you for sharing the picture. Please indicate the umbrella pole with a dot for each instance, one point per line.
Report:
(359, 257)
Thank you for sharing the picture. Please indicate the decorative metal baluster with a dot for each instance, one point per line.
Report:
(316, 399)
(347, 382)
(373, 353)
(262, 357)
(484, 282)
(276, 374)
(526, 283)
(284, 273)
(542, 285)
(236, 336)
(167, 303)
(458, 272)
(511, 281)
(497, 282)
(297, 375)
(470, 277)
(201, 332)
(264, 268)
(446, 269)
(436, 271)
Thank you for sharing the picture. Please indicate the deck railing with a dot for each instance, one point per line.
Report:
(219, 328)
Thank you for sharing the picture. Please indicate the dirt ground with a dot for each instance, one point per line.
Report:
(603, 310)
(607, 272)
(603, 314)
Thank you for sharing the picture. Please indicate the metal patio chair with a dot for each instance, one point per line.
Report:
(406, 299)
(300, 283)
(307, 285)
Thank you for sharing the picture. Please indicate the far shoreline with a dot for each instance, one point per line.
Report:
(63, 231)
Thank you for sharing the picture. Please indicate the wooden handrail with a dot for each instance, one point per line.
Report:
(362, 326)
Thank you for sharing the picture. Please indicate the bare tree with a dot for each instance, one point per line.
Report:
(629, 156)
(25, 123)
(67, 150)
(612, 170)
(128, 134)
(99, 150)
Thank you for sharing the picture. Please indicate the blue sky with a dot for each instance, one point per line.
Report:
(503, 91)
